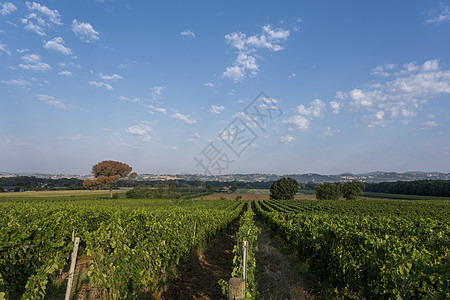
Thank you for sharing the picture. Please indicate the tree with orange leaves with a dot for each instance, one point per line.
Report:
(108, 172)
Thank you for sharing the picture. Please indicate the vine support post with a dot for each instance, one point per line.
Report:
(244, 254)
(72, 267)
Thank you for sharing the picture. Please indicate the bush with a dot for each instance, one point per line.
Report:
(284, 189)
(328, 191)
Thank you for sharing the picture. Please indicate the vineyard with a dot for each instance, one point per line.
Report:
(375, 249)
(134, 244)
(370, 249)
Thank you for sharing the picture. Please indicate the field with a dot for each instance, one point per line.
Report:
(62, 193)
(133, 248)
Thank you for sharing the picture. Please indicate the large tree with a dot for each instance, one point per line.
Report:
(108, 172)
(284, 189)
(351, 190)
(328, 191)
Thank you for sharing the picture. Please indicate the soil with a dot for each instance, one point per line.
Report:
(199, 279)
(278, 273)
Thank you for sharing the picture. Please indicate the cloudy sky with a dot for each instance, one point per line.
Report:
(225, 86)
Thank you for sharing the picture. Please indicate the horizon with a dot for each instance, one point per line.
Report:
(230, 174)
(225, 87)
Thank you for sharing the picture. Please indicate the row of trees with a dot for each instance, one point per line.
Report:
(440, 188)
(350, 190)
(286, 188)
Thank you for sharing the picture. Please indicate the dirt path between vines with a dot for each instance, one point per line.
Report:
(277, 273)
(199, 279)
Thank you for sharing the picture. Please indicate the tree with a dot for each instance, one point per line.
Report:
(284, 189)
(108, 172)
(351, 190)
(90, 184)
(328, 191)
(233, 188)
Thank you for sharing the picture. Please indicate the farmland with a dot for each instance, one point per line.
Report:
(132, 248)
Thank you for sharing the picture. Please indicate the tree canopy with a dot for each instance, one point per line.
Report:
(284, 189)
(107, 173)
(351, 190)
(328, 191)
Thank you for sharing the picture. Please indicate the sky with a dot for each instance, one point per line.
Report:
(219, 87)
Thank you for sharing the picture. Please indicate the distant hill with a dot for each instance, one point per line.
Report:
(372, 177)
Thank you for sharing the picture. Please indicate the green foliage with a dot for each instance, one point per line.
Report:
(351, 190)
(247, 232)
(162, 191)
(133, 242)
(369, 249)
(284, 189)
(439, 188)
(328, 191)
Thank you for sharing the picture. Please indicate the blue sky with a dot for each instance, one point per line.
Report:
(169, 86)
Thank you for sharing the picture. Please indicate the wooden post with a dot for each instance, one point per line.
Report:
(73, 233)
(72, 267)
(236, 289)
(245, 253)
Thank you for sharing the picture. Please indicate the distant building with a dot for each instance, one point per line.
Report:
(8, 189)
(225, 189)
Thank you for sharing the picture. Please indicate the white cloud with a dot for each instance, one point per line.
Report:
(193, 138)
(293, 75)
(7, 8)
(51, 101)
(18, 82)
(109, 77)
(428, 124)
(142, 131)
(246, 47)
(188, 33)
(158, 109)
(383, 70)
(305, 115)
(100, 84)
(287, 139)
(85, 31)
(216, 109)
(22, 50)
(65, 73)
(336, 106)
(158, 92)
(403, 96)
(235, 73)
(301, 122)
(442, 16)
(341, 95)
(314, 110)
(208, 84)
(185, 118)
(4, 48)
(57, 44)
(133, 100)
(40, 18)
(34, 62)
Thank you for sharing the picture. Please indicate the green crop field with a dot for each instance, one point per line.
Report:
(369, 248)
(132, 242)
(374, 248)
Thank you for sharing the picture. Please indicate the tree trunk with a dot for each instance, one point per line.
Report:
(110, 192)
